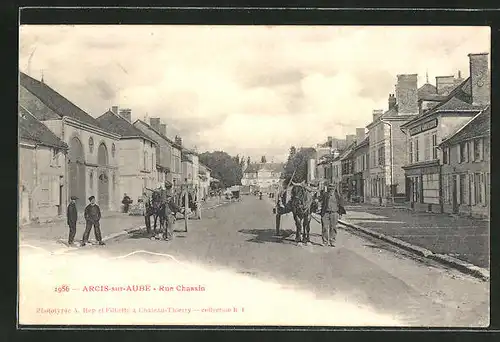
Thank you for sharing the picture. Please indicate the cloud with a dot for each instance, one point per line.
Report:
(248, 89)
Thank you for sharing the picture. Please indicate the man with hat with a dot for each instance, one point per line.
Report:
(170, 209)
(331, 203)
(92, 217)
(72, 217)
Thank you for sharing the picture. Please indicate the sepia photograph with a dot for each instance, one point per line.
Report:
(324, 176)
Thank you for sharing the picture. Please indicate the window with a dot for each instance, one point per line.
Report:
(463, 189)
(410, 152)
(91, 180)
(416, 150)
(55, 157)
(434, 146)
(113, 149)
(478, 155)
(381, 155)
(152, 161)
(91, 144)
(446, 189)
(478, 193)
(145, 160)
(446, 152)
(427, 147)
(463, 153)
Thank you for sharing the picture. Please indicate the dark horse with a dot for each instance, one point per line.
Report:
(302, 205)
(156, 207)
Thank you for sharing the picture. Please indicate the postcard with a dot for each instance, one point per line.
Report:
(328, 176)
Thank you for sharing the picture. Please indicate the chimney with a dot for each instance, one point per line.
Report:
(377, 113)
(392, 101)
(178, 140)
(459, 75)
(480, 78)
(155, 123)
(360, 135)
(406, 94)
(114, 109)
(444, 84)
(163, 129)
(126, 113)
(349, 139)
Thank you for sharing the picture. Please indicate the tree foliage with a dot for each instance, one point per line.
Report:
(224, 167)
(298, 161)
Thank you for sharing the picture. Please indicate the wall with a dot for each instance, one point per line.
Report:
(163, 149)
(40, 176)
(451, 123)
(136, 172)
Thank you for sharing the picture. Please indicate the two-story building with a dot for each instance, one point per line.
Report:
(263, 176)
(168, 152)
(137, 160)
(466, 168)
(205, 179)
(434, 124)
(361, 175)
(42, 167)
(93, 156)
(347, 171)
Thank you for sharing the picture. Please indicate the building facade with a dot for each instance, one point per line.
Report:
(93, 155)
(434, 124)
(466, 168)
(137, 162)
(263, 176)
(42, 170)
(205, 179)
(361, 175)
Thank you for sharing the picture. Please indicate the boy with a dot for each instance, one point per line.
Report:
(92, 217)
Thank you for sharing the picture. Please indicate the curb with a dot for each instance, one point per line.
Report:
(123, 232)
(460, 265)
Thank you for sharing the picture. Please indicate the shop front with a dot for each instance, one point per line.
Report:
(423, 185)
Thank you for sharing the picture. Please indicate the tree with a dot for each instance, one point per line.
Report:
(263, 159)
(298, 162)
(223, 166)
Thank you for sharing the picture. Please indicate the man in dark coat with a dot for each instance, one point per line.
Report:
(170, 209)
(126, 203)
(282, 207)
(92, 218)
(331, 203)
(72, 217)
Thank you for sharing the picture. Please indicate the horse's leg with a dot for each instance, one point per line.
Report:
(154, 227)
(307, 227)
(297, 228)
(147, 221)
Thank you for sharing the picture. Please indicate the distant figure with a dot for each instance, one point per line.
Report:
(72, 217)
(126, 203)
(92, 218)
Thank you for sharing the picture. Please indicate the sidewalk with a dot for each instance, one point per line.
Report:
(111, 223)
(464, 238)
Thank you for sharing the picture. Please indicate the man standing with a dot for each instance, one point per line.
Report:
(331, 202)
(126, 203)
(92, 217)
(170, 209)
(281, 208)
(72, 217)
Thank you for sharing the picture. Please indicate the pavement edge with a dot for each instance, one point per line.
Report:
(460, 265)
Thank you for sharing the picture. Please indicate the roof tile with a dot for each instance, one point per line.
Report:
(116, 124)
(30, 128)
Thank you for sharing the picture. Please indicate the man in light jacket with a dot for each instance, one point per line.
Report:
(331, 204)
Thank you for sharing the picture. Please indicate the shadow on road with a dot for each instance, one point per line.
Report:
(266, 235)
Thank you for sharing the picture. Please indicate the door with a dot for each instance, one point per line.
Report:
(60, 204)
(103, 190)
(454, 195)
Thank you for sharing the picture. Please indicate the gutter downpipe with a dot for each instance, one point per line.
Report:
(391, 157)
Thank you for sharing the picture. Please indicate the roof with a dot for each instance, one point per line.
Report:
(363, 143)
(459, 99)
(55, 101)
(426, 89)
(348, 151)
(30, 128)
(173, 143)
(256, 167)
(478, 126)
(117, 124)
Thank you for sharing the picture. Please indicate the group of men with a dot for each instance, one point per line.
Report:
(330, 206)
(92, 216)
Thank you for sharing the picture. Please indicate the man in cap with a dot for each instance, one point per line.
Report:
(331, 202)
(72, 217)
(126, 202)
(92, 217)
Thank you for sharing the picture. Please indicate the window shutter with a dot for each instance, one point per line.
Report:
(473, 189)
(481, 149)
(459, 148)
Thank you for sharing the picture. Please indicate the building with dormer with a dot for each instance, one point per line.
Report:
(263, 176)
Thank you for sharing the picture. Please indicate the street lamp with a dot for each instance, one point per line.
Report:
(391, 157)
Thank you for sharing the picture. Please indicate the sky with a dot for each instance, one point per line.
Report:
(247, 90)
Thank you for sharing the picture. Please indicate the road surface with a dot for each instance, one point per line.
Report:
(233, 254)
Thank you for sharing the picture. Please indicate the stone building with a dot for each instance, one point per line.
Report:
(440, 117)
(137, 161)
(387, 154)
(42, 170)
(92, 165)
(466, 168)
(361, 168)
(263, 176)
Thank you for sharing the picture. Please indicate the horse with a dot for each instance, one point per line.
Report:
(302, 204)
(155, 207)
